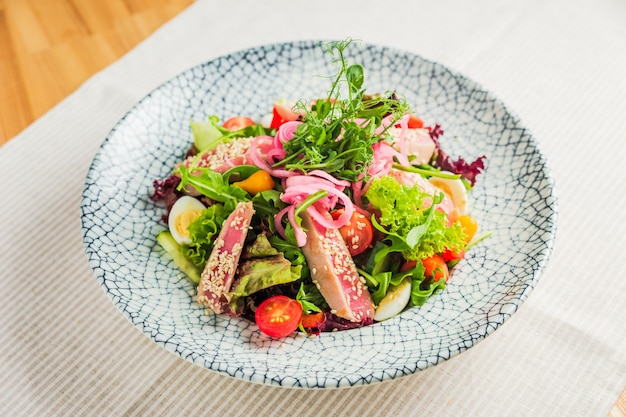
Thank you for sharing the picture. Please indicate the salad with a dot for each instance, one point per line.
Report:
(327, 214)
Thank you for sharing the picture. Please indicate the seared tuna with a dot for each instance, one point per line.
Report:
(335, 274)
(218, 274)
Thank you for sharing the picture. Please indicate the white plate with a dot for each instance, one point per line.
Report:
(514, 198)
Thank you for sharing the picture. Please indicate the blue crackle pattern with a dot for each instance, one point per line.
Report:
(514, 198)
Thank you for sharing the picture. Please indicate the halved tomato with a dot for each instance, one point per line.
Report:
(415, 122)
(237, 123)
(436, 267)
(278, 316)
(312, 320)
(282, 114)
(449, 255)
(357, 233)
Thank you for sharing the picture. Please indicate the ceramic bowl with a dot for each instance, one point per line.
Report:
(514, 198)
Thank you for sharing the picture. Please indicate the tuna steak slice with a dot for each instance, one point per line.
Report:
(335, 274)
(217, 277)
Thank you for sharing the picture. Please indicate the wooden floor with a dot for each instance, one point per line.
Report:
(48, 48)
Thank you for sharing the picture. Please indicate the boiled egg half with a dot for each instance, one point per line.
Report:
(394, 301)
(184, 211)
(455, 189)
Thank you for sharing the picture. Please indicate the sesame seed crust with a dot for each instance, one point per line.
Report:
(218, 274)
(333, 271)
(219, 156)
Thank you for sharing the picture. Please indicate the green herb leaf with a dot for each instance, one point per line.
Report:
(267, 203)
(355, 77)
(310, 298)
(212, 185)
(292, 252)
(329, 137)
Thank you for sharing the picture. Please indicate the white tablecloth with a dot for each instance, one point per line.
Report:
(560, 65)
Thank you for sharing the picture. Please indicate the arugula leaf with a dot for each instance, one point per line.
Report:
(212, 185)
(310, 298)
(421, 291)
(292, 252)
(239, 172)
(397, 243)
(267, 203)
(379, 283)
(309, 200)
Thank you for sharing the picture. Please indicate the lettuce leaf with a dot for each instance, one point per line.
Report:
(257, 274)
(259, 248)
(202, 232)
(209, 133)
(206, 135)
(410, 228)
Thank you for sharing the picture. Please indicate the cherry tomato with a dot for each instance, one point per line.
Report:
(312, 320)
(277, 119)
(238, 122)
(415, 122)
(449, 255)
(278, 316)
(357, 233)
(469, 225)
(282, 114)
(436, 267)
(407, 265)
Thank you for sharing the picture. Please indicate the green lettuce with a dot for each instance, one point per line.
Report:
(206, 135)
(259, 248)
(410, 228)
(209, 133)
(258, 274)
(202, 232)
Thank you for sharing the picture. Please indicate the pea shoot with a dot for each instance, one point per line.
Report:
(337, 134)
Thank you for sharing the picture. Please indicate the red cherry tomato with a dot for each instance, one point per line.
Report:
(277, 119)
(407, 265)
(357, 233)
(278, 316)
(436, 267)
(449, 255)
(415, 122)
(238, 122)
(312, 320)
(282, 114)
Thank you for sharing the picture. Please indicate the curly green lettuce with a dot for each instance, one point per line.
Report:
(203, 231)
(416, 229)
